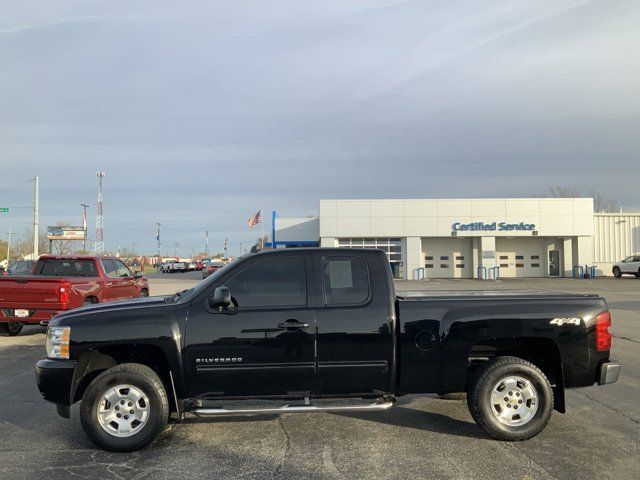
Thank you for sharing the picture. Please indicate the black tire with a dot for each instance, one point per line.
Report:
(144, 292)
(141, 377)
(638, 273)
(10, 329)
(480, 405)
(616, 272)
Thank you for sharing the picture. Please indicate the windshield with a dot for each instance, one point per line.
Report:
(204, 284)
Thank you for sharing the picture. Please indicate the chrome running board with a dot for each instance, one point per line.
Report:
(372, 407)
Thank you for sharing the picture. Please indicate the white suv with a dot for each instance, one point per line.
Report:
(630, 265)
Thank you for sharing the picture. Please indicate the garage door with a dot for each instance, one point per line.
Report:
(520, 257)
(447, 258)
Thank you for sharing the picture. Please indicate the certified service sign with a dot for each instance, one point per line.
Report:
(495, 226)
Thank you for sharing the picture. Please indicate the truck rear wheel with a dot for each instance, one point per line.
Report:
(510, 399)
(617, 272)
(10, 329)
(124, 408)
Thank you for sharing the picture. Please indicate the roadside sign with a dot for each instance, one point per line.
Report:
(4, 209)
(65, 233)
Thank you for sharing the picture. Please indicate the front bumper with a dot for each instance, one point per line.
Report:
(608, 372)
(54, 379)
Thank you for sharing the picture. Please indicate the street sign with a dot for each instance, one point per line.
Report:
(4, 209)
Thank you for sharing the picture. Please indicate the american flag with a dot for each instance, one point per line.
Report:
(255, 220)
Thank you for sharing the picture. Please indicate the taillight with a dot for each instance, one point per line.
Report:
(64, 294)
(603, 336)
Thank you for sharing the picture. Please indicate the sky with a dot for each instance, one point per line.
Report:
(203, 112)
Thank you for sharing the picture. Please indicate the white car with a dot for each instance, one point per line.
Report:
(171, 267)
(630, 265)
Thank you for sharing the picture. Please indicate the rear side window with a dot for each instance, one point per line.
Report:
(276, 282)
(55, 267)
(346, 281)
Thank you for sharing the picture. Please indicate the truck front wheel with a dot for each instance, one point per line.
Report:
(124, 408)
(510, 399)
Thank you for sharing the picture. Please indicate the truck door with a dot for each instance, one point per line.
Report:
(355, 340)
(115, 286)
(264, 346)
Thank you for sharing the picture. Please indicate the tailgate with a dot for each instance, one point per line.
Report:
(30, 292)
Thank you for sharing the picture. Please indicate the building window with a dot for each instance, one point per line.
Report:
(460, 257)
(535, 257)
(444, 257)
(460, 265)
(444, 265)
(535, 265)
(391, 246)
(428, 257)
(504, 257)
(428, 265)
(519, 257)
(519, 265)
(504, 265)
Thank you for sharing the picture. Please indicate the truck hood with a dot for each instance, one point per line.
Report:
(90, 310)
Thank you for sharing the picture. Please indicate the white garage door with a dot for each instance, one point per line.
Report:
(447, 257)
(520, 257)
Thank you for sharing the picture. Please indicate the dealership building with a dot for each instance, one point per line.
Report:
(472, 238)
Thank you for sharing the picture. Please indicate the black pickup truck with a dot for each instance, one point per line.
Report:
(305, 330)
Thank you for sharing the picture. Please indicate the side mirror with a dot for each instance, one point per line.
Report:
(221, 298)
(138, 274)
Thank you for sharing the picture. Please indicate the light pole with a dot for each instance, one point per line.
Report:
(99, 244)
(158, 240)
(84, 225)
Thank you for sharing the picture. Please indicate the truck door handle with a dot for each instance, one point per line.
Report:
(292, 324)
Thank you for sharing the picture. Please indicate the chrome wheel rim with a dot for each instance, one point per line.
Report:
(123, 410)
(514, 401)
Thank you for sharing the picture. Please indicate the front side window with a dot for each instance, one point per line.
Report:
(275, 282)
(121, 269)
(346, 281)
(109, 268)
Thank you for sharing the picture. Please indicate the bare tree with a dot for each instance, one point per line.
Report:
(600, 202)
(604, 204)
(564, 192)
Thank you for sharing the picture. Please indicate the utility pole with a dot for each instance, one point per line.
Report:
(10, 233)
(158, 239)
(84, 224)
(36, 219)
(176, 247)
(99, 243)
(206, 242)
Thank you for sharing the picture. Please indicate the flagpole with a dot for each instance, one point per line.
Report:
(261, 229)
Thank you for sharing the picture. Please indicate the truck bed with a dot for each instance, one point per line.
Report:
(492, 294)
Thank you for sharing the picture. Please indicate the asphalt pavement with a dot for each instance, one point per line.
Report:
(422, 437)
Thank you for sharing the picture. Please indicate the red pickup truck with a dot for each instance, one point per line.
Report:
(62, 282)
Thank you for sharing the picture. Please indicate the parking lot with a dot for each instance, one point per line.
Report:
(423, 437)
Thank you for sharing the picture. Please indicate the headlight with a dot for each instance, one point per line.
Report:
(58, 342)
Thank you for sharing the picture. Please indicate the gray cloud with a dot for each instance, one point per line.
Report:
(203, 114)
